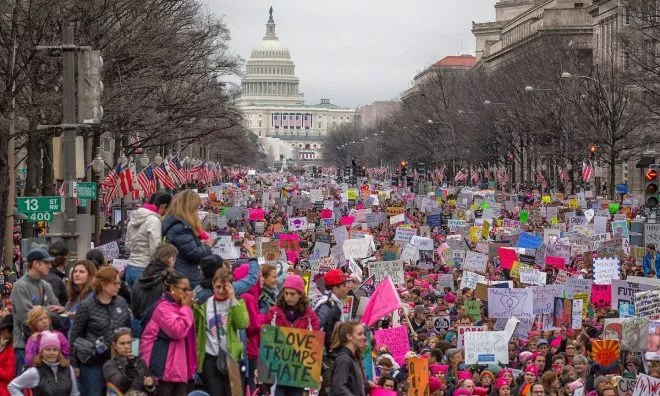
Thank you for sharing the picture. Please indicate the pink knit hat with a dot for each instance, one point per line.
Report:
(48, 339)
(556, 342)
(500, 383)
(450, 298)
(525, 356)
(532, 369)
(463, 375)
(462, 392)
(438, 368)
(294, 282)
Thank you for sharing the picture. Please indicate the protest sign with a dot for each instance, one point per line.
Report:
(394, 269)
(507, 257)
(625, 386)
(401, 218)
(434, 220)
(562, 314)
(378, 391)
(356, 248)
(470, 280)
(321, 249)
(394, 210)
(605, 352)
(647, 304)
(462, 330)
(421, 242)
(340, 234)
(475, 262)
(297, 223)
(652, 234)
(456, 225)
(574, 285)
(653, 347)
(418, 376)
(441, 323)
(528, 240)
(473, 309)
(634, 334)
(396, 340)
(601, 296)
(510, 223)
(646, 386)
(119, 264)
(404, 234)
(225, 248)
(487, 347)
(623, 292)
(505, 303)
(576, 317)
(544, 298)
(110, 250)
(606, 269)
(290, 357)
(532, 276)
(410, 253)
(446, 280)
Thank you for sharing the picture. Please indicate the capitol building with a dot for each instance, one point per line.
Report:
(274, 108)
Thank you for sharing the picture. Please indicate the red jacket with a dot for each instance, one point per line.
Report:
(309, 319)
(7, 368)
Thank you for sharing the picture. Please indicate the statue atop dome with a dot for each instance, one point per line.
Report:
(270, 12)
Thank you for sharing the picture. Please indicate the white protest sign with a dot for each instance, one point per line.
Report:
(110, 250)
(446, 280)
(120, 264)
(400, 218)
(544, 298)
(340, 234)
(489, 347)
(606, 269)
(321, 249)
(297, 223)
(470, 280)
(410, 253)
(623, 292)
(532, 276)
(646, 386)
(475, 262)
(225, 248)
(404, 234)
(421, 242)
(647, 304)
(462, 330)
(456, 225)
(652, 234)
(505, 303)
(394, 269)
(550, 234)
(356, 248)
(576, 319)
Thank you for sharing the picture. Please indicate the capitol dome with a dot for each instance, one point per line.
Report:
(270, 73)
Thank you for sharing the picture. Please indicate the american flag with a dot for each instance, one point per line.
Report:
(203, 177)
(298, 120)
(147, 181)
(285, 120)
(307, 120)
(176, 170)
(110, 185)
(163, 177)
(501, 177)
(193, 173)
(587, 172)
(277, 120)
(563, 174)
(540, 178)
(126, 181)
(474, 176)
(135, 143)
(460, 176)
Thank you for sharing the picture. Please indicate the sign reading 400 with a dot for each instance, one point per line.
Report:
(28, 205)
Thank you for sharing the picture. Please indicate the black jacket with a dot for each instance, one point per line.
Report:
(148, 288)
(348, 375)
(127, 374)
(329, 313)
(97, 321)
(191, 249)
(56, 279)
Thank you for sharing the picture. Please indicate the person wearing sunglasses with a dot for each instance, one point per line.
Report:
(167, 344)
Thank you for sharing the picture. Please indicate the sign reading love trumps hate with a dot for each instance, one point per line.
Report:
(290, 357)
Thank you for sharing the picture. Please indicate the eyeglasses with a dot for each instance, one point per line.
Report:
(183, 289)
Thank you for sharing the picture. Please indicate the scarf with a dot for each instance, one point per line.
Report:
(267, 297)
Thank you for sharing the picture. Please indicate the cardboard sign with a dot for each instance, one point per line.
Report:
(381, 269)
(396, 340)
(605, 352)
(418, 376)
(290, 357)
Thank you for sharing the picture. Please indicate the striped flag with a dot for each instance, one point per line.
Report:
(587, 172)
(501, 177)
(126, 181)
(135, 143)
(147, 181)
(163, 177)
(563, 174)
(540, 178)
(460, 176)
(176, 170)
(474, 176)
(110, 185)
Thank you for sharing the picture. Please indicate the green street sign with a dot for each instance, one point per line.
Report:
(39, 205)
(86, 190)
(37, 217)
(82, 203)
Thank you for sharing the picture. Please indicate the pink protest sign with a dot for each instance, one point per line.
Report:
(507, 257)
(382, 392)
(256, 214)
(347, 220)
(396, 340)
(557, 262)
(601, 296)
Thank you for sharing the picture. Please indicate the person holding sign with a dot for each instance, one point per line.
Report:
(292, 310)
(348, 343)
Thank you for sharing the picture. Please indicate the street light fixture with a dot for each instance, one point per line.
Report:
(98, 162)
(158, 159)
(144, 160)
(569, 75)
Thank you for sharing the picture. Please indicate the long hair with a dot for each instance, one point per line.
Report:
(61, 360)
(340, 335)
(105, 275)
(118, 333)
(184, 206)
(74, 293)
(301, 306)
(34, 315)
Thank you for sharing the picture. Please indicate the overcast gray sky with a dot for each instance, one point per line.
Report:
(357, 51)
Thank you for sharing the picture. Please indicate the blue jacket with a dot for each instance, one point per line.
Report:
(647, 265)
(191, 249)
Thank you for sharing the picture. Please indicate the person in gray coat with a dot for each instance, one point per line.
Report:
(348, 344)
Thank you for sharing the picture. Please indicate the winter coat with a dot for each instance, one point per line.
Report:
(167, 344)
(56, 279)
(127, 374)
(191, 249)
(251, 298)
(306, 321)
(347, 375)
(143, 234)
(647, 266)
(148, 288)
(238, 319)
(205, 288)
(46, 380)
(7, 368)
(329, 313)
(95, 320)
(32, 347)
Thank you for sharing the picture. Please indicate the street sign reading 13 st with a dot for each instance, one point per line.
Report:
(39, 204)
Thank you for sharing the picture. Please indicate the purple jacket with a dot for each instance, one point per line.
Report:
(168, 344)
(32, 347)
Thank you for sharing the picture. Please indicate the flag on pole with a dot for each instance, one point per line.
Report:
(175, 169)
(540, 178)
(126, 181)
(460, 176)
(163, 177)
(383, 301)
(147, 181)
(587, 172)
(474, 176)
(563, 174)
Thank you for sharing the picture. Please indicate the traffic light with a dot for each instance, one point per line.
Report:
(90, 87)
(651, 188)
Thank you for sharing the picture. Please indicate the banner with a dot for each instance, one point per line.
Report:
(290, 357)
(396, 340)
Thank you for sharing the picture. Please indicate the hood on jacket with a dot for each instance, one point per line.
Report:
(139, 216)
(241, 272)
(155, 267)
(153, 279)
(171, 221)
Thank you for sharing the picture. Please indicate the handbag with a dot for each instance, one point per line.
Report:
(84, 348)
(221, 359)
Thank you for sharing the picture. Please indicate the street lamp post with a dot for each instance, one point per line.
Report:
(98, 166)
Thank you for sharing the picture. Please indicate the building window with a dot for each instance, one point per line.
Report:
(578, 5)
(626, 61)
(319, 125)
(259, 115)
(626, 15)
(259, 123)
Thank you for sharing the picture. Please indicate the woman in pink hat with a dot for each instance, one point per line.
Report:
(292, 310)
(502, 388)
